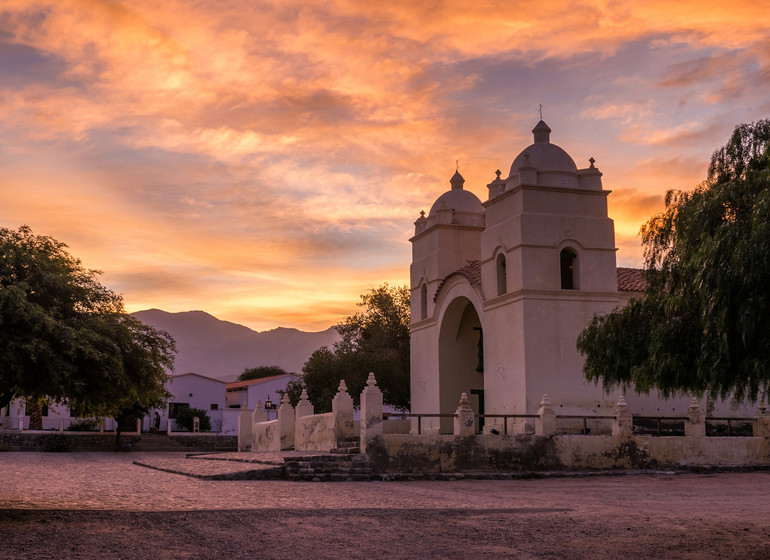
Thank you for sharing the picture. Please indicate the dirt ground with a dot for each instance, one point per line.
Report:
(92, 507)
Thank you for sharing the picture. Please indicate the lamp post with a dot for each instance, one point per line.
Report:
(269, 405)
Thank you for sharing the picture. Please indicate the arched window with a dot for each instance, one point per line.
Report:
(568, 260)
(502, 278)
(424, 301)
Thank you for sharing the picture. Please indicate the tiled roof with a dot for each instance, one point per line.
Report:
(631, 280)
(471, 272)
(242, 384)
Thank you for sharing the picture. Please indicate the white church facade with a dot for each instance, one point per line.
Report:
(501, 289)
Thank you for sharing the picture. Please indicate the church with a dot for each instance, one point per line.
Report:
(501, 289)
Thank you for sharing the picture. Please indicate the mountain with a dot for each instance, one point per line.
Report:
(223, 350)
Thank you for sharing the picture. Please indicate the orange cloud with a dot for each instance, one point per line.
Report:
(266, 160)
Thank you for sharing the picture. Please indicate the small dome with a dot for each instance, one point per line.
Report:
(545, 158)
(457, 198)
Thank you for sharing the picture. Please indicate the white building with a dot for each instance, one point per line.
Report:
(502, 289)
(194, 391)
(246, 394)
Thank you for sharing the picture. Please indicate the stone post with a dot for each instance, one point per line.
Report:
(696, 425)
(464, 421)
(623, 426)
(259, 414)
(101, 425)
(546, 424)
(61, 426)
(371, 412)
(196, 424)
(138, 426)
(286, 422)
(342, 408)
(245, 434)
(762, 425)
(304, 406)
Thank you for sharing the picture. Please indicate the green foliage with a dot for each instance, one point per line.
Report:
(84, 425)
(374, 340)
(57, 443)
(702, 325)
(261, 372)
(65, 337)
(293, 389)
(184, 418)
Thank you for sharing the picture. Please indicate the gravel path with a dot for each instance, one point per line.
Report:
(99, 505)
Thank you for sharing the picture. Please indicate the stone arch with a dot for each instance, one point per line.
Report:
(569, 266)
(460, 352)
(502, 274)
(423, 300)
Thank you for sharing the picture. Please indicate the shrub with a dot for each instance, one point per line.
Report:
(4, 448)
(184, 418)
(57, 443)
(84, 425)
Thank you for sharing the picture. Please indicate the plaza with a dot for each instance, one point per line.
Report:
(101, 505)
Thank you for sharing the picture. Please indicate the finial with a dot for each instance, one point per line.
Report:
(545, 401)
(464, 402)
(422, 213)
(285, 399)
(498, 173)
(591, 161)
(541, 111)
(371, 381)
(303, 396)
(457, 165)
(342, 388)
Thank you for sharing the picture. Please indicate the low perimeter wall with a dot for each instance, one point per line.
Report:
(31, 441)
(398, 453)
(35, 441)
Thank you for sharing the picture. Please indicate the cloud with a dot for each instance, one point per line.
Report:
(266, 160)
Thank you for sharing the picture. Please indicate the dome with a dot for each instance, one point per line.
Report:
(544, 156)
(458, 199)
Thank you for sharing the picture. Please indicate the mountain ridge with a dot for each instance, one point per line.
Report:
(222, 349)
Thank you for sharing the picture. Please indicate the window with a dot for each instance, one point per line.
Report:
(175, 407)
(502, 277)
(568, 260)
(214, 406)
(424, 301)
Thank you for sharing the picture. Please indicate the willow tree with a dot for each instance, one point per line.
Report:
(703, 324)
(66, 338)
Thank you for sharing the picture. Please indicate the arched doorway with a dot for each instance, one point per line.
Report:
(461, 367)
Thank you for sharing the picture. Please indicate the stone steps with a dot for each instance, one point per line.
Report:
(350, 446)
(339, 466)
(157, 443)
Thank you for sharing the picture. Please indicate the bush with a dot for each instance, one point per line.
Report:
(57, 443)
(84, 425)
(184, 418)
(4, 448)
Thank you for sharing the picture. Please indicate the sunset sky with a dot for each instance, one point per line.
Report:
(265, 161)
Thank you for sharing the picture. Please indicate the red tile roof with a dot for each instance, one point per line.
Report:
(471, 272)
(631, 280)
(241, 384)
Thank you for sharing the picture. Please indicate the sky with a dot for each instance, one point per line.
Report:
(265, 161)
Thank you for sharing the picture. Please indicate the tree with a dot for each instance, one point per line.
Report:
(702, 324)
(66, 338)
(261, 372)
(374, 340)
(185, 417)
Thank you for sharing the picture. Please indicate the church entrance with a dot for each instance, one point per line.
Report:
(461, 359)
